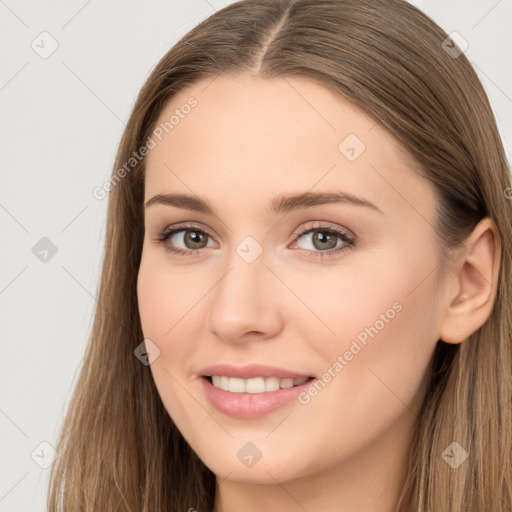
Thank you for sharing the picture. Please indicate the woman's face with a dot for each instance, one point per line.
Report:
(341, 291)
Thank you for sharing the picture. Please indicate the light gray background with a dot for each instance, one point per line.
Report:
(62, 118)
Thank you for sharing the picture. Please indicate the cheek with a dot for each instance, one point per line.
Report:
(167, 319)
(337, 304)
(375, 365)
(165, 296)
(167, 306)
(373, 326)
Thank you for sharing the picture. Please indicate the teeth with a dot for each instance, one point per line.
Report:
(255, 385)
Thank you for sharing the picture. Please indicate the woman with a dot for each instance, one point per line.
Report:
(304, 300)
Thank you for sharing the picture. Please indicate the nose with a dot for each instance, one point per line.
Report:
(245, 302)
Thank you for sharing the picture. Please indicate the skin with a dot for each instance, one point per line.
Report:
(247, 141)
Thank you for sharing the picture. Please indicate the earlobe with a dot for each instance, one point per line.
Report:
(476, 276)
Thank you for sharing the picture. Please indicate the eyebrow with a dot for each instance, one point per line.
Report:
(278, 205)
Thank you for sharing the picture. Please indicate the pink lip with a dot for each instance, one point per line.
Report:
(250, 371)
(250, 405)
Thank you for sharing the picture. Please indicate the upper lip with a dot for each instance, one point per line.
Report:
(250, 371)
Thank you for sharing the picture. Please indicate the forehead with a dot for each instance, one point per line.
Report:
(260, 137)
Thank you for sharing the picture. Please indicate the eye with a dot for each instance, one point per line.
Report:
(323, 240)
(189, 235)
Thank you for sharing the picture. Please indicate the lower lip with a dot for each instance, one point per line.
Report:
(251, 405)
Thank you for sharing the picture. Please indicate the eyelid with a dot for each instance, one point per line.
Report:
(323, 225)
(299, 231)
(183, 226)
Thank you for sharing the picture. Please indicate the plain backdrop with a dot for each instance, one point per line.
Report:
(62, 116)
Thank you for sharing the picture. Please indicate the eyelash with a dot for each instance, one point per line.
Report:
(168, 232)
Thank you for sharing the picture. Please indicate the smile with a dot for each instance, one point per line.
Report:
(256, 384)
(246, 404)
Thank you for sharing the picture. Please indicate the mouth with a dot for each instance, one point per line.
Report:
(254, 385)
(254, 397)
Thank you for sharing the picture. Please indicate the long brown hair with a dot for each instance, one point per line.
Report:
(119, 449)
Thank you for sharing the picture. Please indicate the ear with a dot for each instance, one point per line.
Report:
(476, 279)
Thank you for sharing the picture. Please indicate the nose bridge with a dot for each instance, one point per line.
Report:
(247, 268)
(244, 298)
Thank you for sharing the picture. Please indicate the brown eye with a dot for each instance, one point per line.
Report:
(194, 239)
